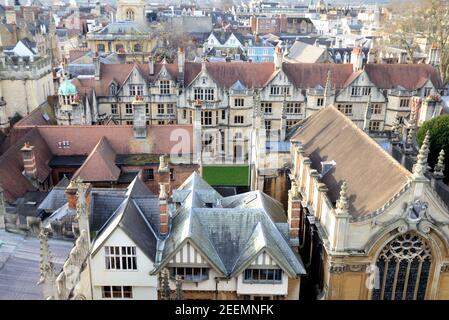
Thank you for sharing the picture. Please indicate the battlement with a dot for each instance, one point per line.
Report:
(14, 67)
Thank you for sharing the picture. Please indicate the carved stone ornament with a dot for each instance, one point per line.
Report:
(341, 268)
(445, 267)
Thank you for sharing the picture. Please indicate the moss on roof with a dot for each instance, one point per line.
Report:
(226, 175)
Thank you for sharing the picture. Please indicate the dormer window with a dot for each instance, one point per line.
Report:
(113, 89)
(256, 275)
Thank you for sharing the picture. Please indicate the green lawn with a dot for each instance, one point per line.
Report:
(226, 175)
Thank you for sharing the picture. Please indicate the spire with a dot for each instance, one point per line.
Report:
(328, 88)
(438, 170)
(165, 286)
(368, 113)
(342, 202)
(179, 293)
(47, 272)
(419, 169)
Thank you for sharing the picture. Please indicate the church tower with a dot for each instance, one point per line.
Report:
(131, 10)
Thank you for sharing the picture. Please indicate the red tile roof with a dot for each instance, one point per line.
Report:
(12, 181)
(409, 76)
(82, 139)
(100, 164)
(310, 75)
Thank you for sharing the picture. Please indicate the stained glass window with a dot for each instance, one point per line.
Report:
(403, 269)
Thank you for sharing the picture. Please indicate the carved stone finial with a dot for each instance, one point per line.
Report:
(439, 167)
(342, 203)
(410, 137)
(421, 166)
(294, 190)
(165, 286)
(47, 272)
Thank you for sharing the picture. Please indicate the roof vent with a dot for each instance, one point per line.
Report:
(327, 166)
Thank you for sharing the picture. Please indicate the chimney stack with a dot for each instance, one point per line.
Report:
(357, 59)
(278, 58)
(434, 57)
(71, 193)
(294, 214)
(29, 160)
(181, 63)
(151, 66)
(11, 16)
(97, 66)
(163, 210)
(139, 118)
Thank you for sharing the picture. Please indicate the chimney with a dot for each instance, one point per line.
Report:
(434, 57)
(278, 58)
(29, 160)
(181, 61)
(293, 215)
(151, 66)
(139, 118)
(11, 16)
(402, 58)
(357, 59)
(71, 194)
(163, 210)
(28, 15)
(97, 67)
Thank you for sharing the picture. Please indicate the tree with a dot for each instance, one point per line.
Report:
(439, 139)
(421, 19)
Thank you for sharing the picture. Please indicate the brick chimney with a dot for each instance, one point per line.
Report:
(294, 214)
(357, 59)
(163, 209)
(29, 160)
(11, 17)
(70, 193)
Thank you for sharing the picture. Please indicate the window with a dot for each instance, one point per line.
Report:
(267, 125)
(206, 118)
(374, 125)
(184, 114)
(291, 123)
(319, 102)
(376, 108)
(172, 174)
(137, 47)
(119, 48)
(113, 89)
(120, 258)
(129, 122)
(148, 174)
(203, 94)
(147, 109)
(114, 109)
(130, 14)
(117, 292)
(345, 109)
(360, 91)
(160, 108)
(403, 268)
(161, 122)
(239, 102)
(190, 274)
(223, 114)
(404, 103)
(279, 90)
(135, 90)
(293, 108)
(266, 107)
(100, 47)
(238, 119)
(170, 109)
(427, 91)
(128, 108)
(164, 86)
(263, 275)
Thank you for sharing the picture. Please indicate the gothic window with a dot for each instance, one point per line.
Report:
(137, 47)
(130, 14)
(403, 269)
(112, 89)
(101, 48)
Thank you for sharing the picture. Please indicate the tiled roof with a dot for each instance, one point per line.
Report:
(309, 75)
(12, 181)
(372, 175)
(409, 76)
(100, 164)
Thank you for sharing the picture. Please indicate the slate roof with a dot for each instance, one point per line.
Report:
(306, 53)
(232, 233)
(372, 175)
(132, 220)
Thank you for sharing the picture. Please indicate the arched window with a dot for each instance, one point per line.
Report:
(137, 47)
(112, 89)
(101, 47)
(130, 14)
(404, 266)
